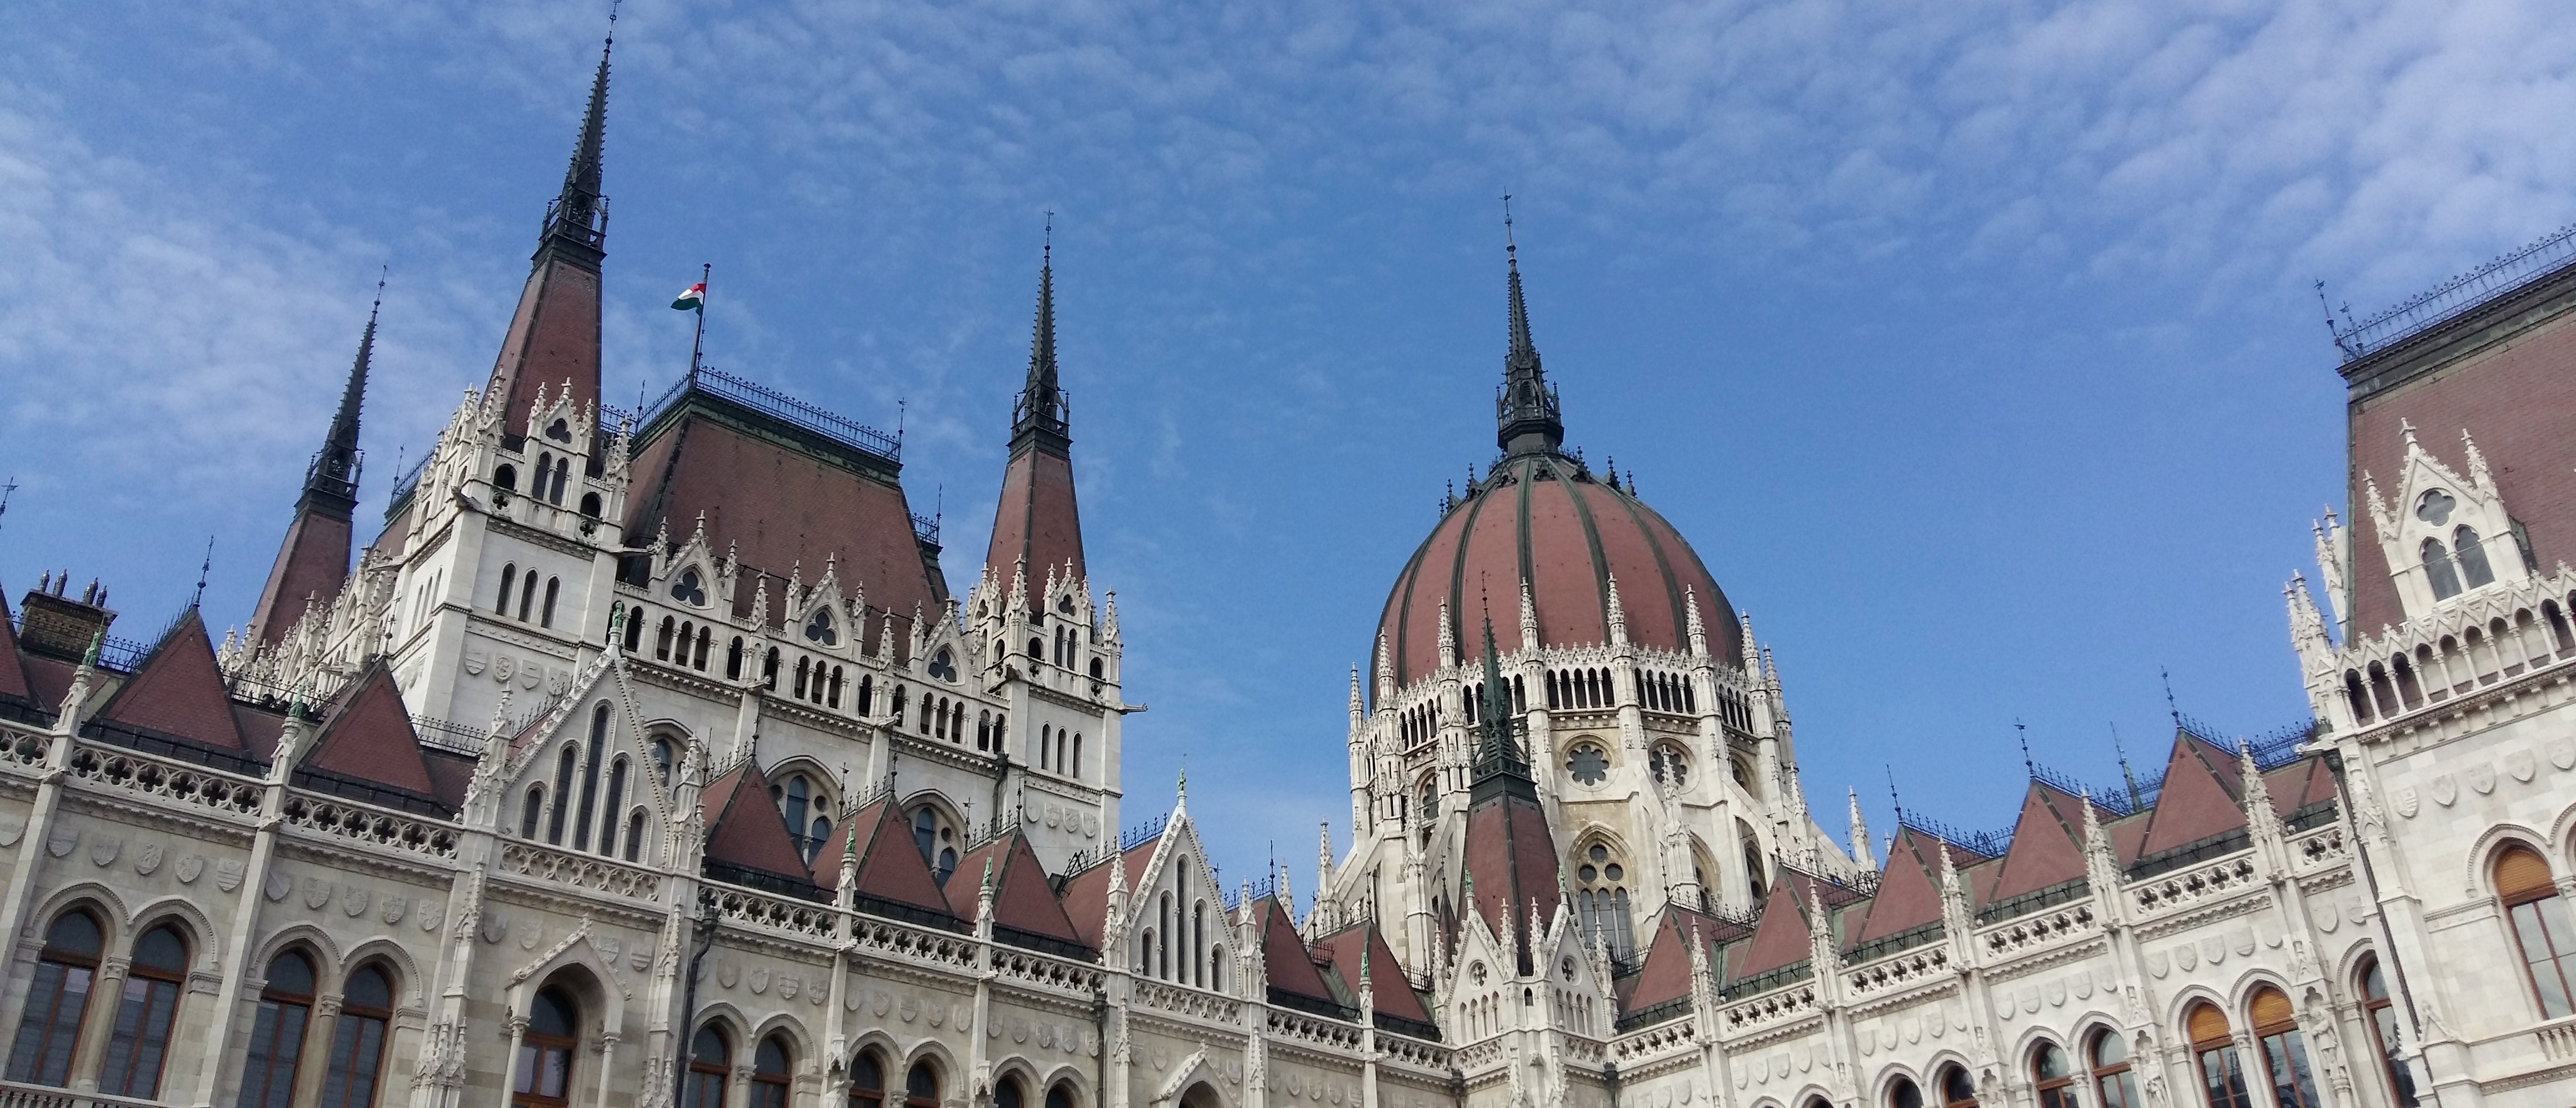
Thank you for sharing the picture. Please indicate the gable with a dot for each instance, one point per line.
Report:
(2198, 800)
(747, 830)
(1780, 938)
(368, 737)
(178, 691)
(891, 869)
(2046, 847)
(1909, 896)
(1284, 957)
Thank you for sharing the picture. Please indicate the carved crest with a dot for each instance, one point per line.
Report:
(2213, 950)
(2521, 765)
(147, 858)
(12, 828)
(229, 874)
(787, 986)
(190, 868)
(2327, 916)
(355, 901)
(2562, 754)
(530, 674)
(2407, 804)
(760, 980)
(2056, 994)
(727, 973)
(103, 848)
(504, 667)
(432, 914)
(531, 934)
(2185, 958)
(496, 927)
(474, 662)
(317, 892)
(61, 840)
(2482, 776)
(2445, 790)
(276, 886)
(394, 907)
(910, 1010)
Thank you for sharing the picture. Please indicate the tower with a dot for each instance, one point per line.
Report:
(313, 562)
(553, 341)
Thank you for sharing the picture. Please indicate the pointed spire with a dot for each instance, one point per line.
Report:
(577, 219)
(1860, 842)
(1696, 628)
(1529, 618)
(2478, 474)
(1039, 414)
(335, 468)
(1526, 413)
(1618, 615)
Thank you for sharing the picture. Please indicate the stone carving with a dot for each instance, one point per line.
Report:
(103, 848)
(530, 935)
(2482, 777)
(317, 892)
(910, 1009)
(760, 981)
(504, 668)
(2185, 958)
(229, 874)
(496, 927)
(788, 984)
(2445, 790)
(474, 663)
(189, 869)
(2407, 805)
(728, 974)
(2562, 753)
(147, 858)
(60, 842)
(432, 914)
(12, 828)
(2521, 765)
(2327, 916)
(276, 887)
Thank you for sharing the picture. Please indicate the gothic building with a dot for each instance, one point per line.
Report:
(649, 759)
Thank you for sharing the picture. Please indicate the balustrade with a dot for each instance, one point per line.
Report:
(373, 826)
(144, 775)
(584, 871)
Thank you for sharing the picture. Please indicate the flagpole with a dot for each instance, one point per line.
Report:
(698, 344)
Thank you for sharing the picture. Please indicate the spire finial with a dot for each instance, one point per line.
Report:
(577, 220)
(204, 568)
(1892, 797)
(2021, 734)
(1040, 410)
(1526, 412)
(2171, 708)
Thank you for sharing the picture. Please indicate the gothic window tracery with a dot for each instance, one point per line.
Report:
(1669, 765)
(1601, 901)
(2471, 553)
(2113, 1076)
(2438, 573)
(1588, 763)
(689, 589)
(57, 1001)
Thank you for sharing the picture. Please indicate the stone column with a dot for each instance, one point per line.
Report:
(97, 1020)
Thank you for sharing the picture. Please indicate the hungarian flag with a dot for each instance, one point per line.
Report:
(691, 299)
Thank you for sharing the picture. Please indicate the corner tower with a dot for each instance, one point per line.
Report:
(553, 341)
(313, 562)
(1037, 525)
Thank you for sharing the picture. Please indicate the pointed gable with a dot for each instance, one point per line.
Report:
(892, 878)
(1512, 857)
(368, 737)
(1391, 994)
(2299, 784)
(1909, 888)
(13, 671)
(1284, 958)
(1086, 893)
(178, 692)
(1023, 896)
(1780, 937)
(2198, 800)
(1665, 974)
(745, 830)
(2047, 846)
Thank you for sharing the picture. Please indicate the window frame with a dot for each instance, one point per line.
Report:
(354, 1019)
(88, 963)
(534, 1046)
(2379, 1012)
(2539, 898)
(274, 998)
(145, 984)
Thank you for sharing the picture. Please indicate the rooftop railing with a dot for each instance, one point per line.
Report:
(780, 406)
(2455, 297)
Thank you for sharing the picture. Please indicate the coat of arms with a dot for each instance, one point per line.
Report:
(229, 874)
(103, 848)
(147, 858)
(190, 868)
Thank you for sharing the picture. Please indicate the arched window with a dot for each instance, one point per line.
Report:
(563, 788)
(769, 670)
(1754, 880)
(509, 577)
(145, 1013)
(867, 1081)
(2222, 1073)
(590, 504)
(769, 1074)
(983, 730)
(634, 629)
(733, 660)
(925, 832)
(792, 802)
(545, 1053)
(2540, 927)
(1077, 755)
(662, 640)
(358, 1040)
(710, 1065)
(2472, 556)
(616, 801)
(921, 1087)
(527, 595)
(1006, 1094)
(819, 628)
(1095, 675)
(1904, 1093)
(1957, 1089)
(834, 699)
(530, 809)
(635, 836)
(277, 1033)
(505, 478)
(2052, 1077)
(2377, 1010)
(546, 615)
(867, 694)
(2112, 1075)
(662, 760)
(2285, 1050)
(1060, 1096)
(56, 1000)
(803, 666)
(1601, 901)
(2438, 572)
(706, 637)
(590, 775)
(563, 470)
(1046, 745)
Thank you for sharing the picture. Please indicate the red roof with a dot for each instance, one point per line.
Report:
(784, 510)
(1086, 894)
(1665, 974)
(1284, 958)
(1909, 888)
(1780, 937)
(553, 338)
(13, 674)
(1036, 522)
(745, 829)
(368, 736)
(2199, 798)
(1023, 896)
(2047, 845)
(1391, 993)
(890, 863)
(179, 691)
(312, 564)
(1568, 535)
(1512, 857)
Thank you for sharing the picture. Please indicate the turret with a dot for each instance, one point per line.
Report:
(313, 562)
(1037, 521)
(554, 334)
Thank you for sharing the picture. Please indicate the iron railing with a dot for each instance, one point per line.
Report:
(907, 913)
(2309, 817)
(1654, 1013)
(1990, 844)
(165, 746)
(1312, 1005)
(765, 881)
(1885, 945)
(1410, 1028)
(368, 792)
(1043, 944)
(2035, 900)
(2189, 854)
(1771, 979)
(406, 483)
(780, 406)
(2455, 297)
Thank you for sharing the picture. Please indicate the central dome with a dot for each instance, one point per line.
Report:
(1540, 516)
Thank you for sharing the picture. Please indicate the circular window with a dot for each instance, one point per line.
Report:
(1566, 968)
(1476, 974)
(1614, 873)
(1599, 853)
(1587, 873)
(1588, 764)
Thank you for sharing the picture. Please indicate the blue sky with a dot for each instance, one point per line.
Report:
(1972, 343)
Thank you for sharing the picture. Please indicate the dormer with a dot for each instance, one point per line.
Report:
(2444, 536)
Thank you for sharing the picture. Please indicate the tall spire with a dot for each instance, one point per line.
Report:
(1037, 521)
(553, 341)
(313, 561)
(1525, 410)
(1039, 416)
(577, 220)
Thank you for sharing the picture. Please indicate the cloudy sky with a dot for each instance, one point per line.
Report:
(1973, 343)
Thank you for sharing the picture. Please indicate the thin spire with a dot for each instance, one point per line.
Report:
(204, 568)
(1526, 411)
(578, 217)
(1040, 411)
(334, 471)
(2022, 735)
